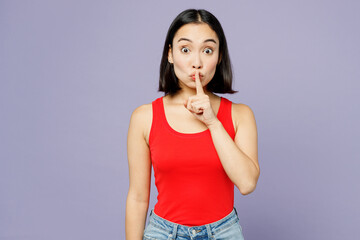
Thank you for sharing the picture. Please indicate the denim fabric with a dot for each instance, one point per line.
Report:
(227, 228)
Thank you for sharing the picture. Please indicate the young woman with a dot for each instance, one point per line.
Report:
(199, 144)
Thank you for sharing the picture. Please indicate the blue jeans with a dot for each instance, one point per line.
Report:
(227, 228)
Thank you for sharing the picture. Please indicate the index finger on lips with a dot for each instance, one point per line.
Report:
(199, 87)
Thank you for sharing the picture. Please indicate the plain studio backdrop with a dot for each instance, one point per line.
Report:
(72, 72)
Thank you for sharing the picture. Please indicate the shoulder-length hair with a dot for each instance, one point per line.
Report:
(222, 80)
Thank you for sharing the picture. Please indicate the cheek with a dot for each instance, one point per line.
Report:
(212, 64)
(180, 62)
(211, 67)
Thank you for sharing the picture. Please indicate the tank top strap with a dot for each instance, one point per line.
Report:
(158, 109)
(157, 118)
(225, 117)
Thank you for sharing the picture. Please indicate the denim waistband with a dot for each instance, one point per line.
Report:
(181, 230)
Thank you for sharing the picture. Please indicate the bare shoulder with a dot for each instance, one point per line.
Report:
(243, 119)
(143, 111)
(242, 113)
(141, 119)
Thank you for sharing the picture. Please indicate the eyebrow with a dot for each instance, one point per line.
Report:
(207, 40)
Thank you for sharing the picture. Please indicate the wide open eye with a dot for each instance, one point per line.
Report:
(185, 50)
(208, 51)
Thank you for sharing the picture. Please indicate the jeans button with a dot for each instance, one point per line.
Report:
(193, 232)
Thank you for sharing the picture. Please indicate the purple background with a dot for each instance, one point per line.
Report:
(72, 72)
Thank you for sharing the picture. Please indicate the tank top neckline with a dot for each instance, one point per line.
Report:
(196, 134)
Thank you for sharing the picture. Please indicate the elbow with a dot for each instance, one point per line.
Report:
(248, 187)
(245, 190)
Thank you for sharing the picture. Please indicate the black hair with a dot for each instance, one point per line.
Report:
(222, 80)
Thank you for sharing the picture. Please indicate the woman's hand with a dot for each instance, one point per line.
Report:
(200, 106)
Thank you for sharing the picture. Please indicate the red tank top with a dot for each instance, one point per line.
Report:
(193, 188)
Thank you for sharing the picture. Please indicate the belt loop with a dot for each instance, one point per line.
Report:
(173, 234)
(210, 236)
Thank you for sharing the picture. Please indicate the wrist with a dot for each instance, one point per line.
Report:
(214, 124)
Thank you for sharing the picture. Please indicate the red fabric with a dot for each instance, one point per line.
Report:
(193, 188)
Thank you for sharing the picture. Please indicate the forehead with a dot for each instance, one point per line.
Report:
(196, 32)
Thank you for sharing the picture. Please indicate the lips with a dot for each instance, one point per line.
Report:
(193, 76)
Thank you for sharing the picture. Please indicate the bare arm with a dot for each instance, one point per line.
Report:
(239, 158)
(137, 202)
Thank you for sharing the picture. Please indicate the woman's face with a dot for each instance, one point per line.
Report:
(194, 47)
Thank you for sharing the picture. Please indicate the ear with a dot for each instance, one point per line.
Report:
(170, 59)
(220, 58)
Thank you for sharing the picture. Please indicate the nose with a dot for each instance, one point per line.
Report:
(197, 63)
